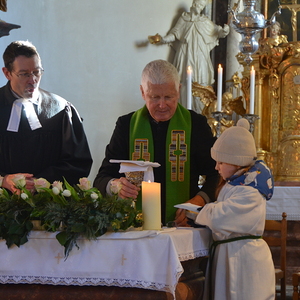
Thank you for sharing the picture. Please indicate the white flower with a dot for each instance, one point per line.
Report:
(55, 190)
(66, 193)
(84, 184)
(19, 180)
(115, 186)
(58, 185)
(94, 196)
(1, 180)
(24, 196)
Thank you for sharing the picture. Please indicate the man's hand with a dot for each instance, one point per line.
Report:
(8, 183)
(180, 218)
(127, 190)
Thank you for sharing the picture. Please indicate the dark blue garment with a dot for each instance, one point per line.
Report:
(258, 176)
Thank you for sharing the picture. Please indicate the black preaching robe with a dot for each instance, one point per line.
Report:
(58, 149)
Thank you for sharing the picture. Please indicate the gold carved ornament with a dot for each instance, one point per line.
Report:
(207, 96)
(3, 5)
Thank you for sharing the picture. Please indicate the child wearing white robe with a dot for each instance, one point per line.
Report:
(240, 265)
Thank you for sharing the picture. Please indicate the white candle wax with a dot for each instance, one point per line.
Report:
(252, 90)
(151, 206)
(219, 92)
(189, 88)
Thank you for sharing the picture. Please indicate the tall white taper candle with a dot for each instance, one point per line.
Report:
(219, 93)
(189, 88)
(252, 91)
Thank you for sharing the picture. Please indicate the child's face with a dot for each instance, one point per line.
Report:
(226, 170)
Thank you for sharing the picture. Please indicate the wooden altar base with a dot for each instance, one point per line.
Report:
(52, 292)
(190, 287)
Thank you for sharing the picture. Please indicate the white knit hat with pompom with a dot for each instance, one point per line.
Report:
(235, 146)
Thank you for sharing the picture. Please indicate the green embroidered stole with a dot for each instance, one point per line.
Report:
(177, 153)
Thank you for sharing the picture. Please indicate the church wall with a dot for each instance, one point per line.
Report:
(93, 53)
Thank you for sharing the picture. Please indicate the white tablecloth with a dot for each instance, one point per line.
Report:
(115, 259)
(285, 199)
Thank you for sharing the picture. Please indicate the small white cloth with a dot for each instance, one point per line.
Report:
(134, 233)
(15, 115)
(138, 234)
(137, 165)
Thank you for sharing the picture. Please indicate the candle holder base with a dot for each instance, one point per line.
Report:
(218, 116)
(251, 119)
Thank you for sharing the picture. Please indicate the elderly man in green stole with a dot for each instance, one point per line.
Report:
(163, 131)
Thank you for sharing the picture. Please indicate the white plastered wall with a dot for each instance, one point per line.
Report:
(93, 52)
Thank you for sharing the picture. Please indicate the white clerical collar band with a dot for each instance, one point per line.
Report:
(15, 115)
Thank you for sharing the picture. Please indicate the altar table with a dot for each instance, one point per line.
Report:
(285, 199)
(134, 259)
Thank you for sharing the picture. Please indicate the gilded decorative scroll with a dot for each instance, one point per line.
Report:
(277, 133)
(3, 5)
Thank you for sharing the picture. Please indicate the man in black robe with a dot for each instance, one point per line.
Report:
(41, 134)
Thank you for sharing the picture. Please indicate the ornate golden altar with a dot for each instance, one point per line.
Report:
(277, 94)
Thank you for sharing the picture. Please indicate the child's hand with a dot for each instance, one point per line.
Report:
(181, 219)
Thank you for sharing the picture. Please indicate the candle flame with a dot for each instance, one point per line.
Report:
(252, 68)
(220, 66)
(149, 181)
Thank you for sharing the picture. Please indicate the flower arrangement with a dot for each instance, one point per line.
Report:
(72, 211)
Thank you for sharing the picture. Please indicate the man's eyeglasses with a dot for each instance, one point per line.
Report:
(37, 73)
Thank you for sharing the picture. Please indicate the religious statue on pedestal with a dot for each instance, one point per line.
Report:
(275, 38)
(197, 36)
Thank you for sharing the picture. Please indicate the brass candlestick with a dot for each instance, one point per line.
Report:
(251, 119)
(218, 116)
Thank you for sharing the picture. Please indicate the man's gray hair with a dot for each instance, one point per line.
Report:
(160, 72)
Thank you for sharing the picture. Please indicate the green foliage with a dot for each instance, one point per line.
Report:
(14, 219)
(72, 211)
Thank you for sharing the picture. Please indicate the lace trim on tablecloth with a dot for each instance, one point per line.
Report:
(278, 216)
(88, 281)
(192, 255)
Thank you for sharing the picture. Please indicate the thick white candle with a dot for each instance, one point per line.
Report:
(252, 90)
(219, 93)
(189, 88)
(151, 205)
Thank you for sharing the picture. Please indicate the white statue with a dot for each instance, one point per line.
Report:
(197, 36)
(275, 30)
(275, 37)
(273, 40)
